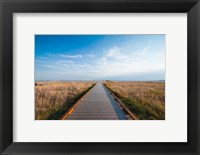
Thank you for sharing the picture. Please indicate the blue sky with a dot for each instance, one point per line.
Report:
(100, 57)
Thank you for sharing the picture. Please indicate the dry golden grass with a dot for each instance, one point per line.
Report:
(145, 99)
(52, 99)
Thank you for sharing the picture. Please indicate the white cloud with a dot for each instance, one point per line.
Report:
(116, 53)
(70, 56)
(114, 62)
(113, 52)
(66, 65)
(117, 61)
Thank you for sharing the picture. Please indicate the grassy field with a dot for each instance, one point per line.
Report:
(145, 99)
(52, 99)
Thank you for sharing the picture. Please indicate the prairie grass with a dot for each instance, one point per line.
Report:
(53, 99)
(145, 99)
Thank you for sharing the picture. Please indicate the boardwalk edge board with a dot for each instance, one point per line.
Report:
(70, 110)
(132, 115)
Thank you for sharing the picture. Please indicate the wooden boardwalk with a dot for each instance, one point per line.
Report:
(98, 105)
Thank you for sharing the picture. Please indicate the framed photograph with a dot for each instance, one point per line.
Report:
(99, 77)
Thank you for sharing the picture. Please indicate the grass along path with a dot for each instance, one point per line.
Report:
(53, 99)
(145, 99)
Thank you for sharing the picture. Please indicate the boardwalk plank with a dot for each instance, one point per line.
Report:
(98, 105)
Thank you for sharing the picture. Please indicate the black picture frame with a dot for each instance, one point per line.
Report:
(8, 7)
